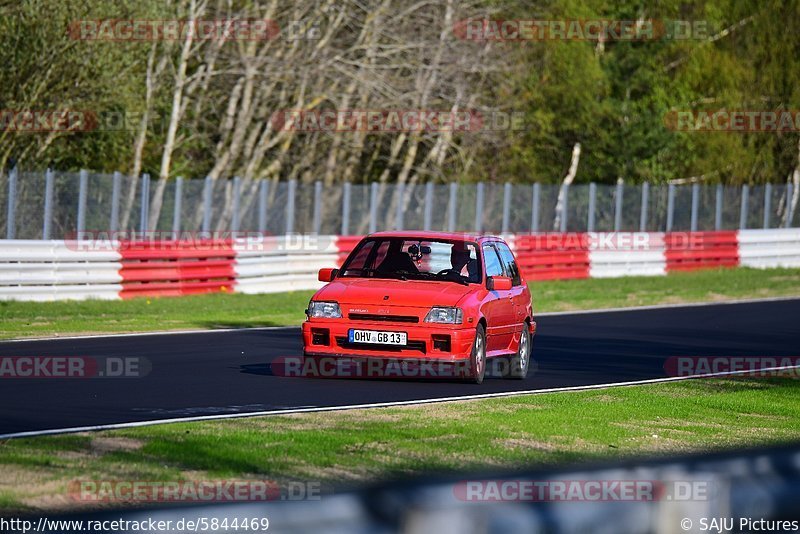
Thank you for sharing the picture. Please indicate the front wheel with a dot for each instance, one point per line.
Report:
(518, 364)
(477, 359)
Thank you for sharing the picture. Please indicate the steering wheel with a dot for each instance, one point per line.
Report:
(445, 271)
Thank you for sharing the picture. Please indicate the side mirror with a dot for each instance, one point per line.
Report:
(327, 274)
(498, 283)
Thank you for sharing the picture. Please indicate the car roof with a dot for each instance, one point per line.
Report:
(425, 234)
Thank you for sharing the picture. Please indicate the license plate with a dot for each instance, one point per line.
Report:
(377, 337)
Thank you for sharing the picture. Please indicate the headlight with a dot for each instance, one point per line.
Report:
(328, 310)
(445, 315)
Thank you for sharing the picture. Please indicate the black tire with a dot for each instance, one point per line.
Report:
(519, 363)
(477, 359)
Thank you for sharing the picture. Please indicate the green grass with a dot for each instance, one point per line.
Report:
(354, 447)
(30, 319)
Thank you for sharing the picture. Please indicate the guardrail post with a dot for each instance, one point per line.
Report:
(398, 214)
(292, 190)
(47, 221)
(176, 213)
(428, 215)
(479, 207)
(718, 209)
(535, 207)
(83, 183)
(263, 192)
(237, 203)
(592, 200)
(115, 187)
(645, 206)
(346, 209)
(564, 208)
(789, 214)
(743, 209)
(373, 207)
(670, 206)
(506, 206)
(451, 208)
(144, 212)
(767, 204)
(207, 190)
(317, 221)
(618, 207)
(695, 205)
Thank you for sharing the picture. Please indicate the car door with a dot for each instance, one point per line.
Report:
(498, 308)
(518, 295)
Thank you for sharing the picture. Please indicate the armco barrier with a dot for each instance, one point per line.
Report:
(282, 263)
(58, 270)
(688, 251)
(769, 248)
(552, 256)
(173, 268)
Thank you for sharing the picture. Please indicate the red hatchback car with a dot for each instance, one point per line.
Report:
(446, 297)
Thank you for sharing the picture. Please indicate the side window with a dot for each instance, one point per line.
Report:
(509, 263)
(493, 265)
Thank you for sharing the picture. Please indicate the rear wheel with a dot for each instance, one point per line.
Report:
(518, 363)
(477, 360)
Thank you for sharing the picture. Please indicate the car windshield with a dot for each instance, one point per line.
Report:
(415, 259)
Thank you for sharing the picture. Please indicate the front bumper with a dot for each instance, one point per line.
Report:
(447, 343)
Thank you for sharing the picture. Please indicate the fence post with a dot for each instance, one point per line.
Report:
(645, 206)
(144, 210)
(718, 209)
(373, 207)
(398, 214)
(451, 208)
(83, 183)
(176, 213)
(207, 186)
(743, 210)
(48, 204)
(789, 214)
(618, 207)
(479, 207)
(535, 208)
(695, 205)
(592, 200)
(506, 207)
(114, 223)
(292, 190)
(237, 204)
(263, 191)
(428, 214)
(564, 208)
(11, 229)
(767, 204)
(317, 221)
(670, 206)
(346, 209)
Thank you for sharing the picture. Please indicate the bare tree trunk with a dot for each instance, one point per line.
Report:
(568, 179)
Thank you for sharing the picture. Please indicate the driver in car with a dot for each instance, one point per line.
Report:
(462, 262)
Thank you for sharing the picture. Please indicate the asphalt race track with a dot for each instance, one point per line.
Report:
(199, 374)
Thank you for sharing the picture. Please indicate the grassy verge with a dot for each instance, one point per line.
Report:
(29, 319)
(358, 446)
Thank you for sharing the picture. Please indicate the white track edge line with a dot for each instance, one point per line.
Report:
(198, 418)
(543, 314)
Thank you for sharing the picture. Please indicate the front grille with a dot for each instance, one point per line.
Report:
(412, 344)
(384, 318)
